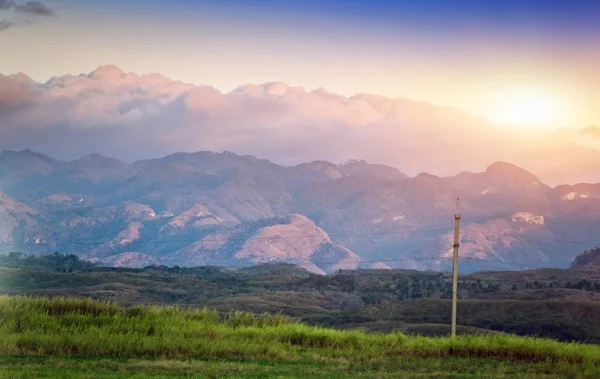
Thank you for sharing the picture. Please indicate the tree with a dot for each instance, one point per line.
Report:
(15, 255)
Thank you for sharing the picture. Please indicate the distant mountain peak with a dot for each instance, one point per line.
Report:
(354, 162)
(427, 177)
(363, 169)
(588, 259)
(502, 165)
(92, 156)
(99, 161)
(318, 164)
(505, 169)
(27, 153)
(499, 177)
(96, 156)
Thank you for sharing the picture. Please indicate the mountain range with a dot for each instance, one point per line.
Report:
(205, 208)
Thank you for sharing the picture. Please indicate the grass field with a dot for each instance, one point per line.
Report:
(373, 299)
(67, 337)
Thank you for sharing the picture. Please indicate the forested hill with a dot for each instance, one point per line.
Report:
(558, 303)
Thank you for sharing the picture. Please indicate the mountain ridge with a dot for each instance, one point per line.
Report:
(225, 208)
(494, 167)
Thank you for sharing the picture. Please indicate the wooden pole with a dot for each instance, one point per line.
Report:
(455, 267)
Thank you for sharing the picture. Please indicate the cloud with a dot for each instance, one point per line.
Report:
(129, 116)
(7, 4)
(35, 8)
(591, 131)
(28, 10)
(16, 91)
(5, 24)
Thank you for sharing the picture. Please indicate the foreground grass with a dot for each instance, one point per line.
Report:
(40, 337)
(346, 300)
(77, 367)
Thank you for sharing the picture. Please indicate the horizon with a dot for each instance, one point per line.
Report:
(337, 164)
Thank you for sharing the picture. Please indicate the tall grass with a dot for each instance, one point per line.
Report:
(73, 326)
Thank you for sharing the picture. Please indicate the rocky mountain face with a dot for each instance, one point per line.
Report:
(205, 208)
(588, 259)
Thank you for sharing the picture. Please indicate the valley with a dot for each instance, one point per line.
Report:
(562, 304)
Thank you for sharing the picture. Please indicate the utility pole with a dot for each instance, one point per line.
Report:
(455, 267)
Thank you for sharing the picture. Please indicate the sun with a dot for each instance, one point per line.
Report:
(527, 108)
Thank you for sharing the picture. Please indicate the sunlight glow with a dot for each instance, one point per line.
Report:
(526, 108)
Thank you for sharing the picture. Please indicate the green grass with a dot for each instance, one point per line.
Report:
(340, 301)
(69, 367)
(39, 336)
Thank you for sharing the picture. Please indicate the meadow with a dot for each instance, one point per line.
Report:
(80, 337)
(549, 303)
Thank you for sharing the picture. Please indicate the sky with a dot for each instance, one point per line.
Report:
(496, 59)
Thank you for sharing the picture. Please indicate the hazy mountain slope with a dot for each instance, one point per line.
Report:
(588, 259)
(21, 224)
(221, 208)
(499, 178)
(293, 239)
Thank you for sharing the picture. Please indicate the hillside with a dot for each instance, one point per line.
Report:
(167, 341)
(205, 208)
(555, 303)
(588, 259)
